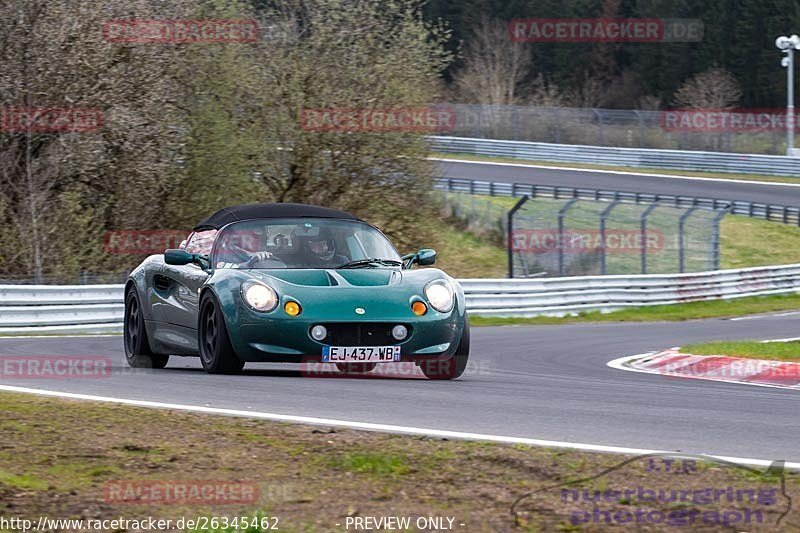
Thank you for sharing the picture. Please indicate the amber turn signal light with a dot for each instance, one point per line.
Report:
(292, 308)
(419, 308)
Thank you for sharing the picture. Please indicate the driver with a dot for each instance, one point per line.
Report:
(321, 251)
(244, 249)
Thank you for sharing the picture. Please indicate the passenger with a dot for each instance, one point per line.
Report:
(321, 251)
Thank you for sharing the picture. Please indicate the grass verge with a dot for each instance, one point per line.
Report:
(779, 351)
(657, 313)
(749, 242)
(464, 255)
(618, 168)
(67, 459)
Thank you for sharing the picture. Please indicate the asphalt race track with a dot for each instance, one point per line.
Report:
(543, 382)
(769, 193)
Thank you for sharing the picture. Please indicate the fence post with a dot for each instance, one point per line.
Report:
(560, 243)
(645, 214)
(640, 120)
(557, 115)
(603, 217)
(715, 237)
(599, 116)
(681, 253)
(510, 224)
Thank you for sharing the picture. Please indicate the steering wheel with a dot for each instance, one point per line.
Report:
(250, 261)
(241, 253)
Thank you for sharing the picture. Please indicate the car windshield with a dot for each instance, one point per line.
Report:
(302, 243)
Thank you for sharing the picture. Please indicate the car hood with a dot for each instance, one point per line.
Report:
(315, 279)
(329, 294)
(372, 277)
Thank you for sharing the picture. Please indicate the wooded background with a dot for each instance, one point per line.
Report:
(190, 128)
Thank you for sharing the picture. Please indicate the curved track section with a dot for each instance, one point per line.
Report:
(542, 382)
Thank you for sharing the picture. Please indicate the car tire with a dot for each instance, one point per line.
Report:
(216, 352)
(134, 335)
(356, 368)
(453, 367)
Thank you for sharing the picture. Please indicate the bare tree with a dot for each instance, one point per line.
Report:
(187, 129)
(715, 88)
(494, 66)
(543, 94)
(54, 56)
(339, 55)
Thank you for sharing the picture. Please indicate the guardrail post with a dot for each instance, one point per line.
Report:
(560, 243)
(510, 224)
(603, 217)
(681, 253)
(645, 214)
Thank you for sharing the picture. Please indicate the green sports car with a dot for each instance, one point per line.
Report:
(294, 283)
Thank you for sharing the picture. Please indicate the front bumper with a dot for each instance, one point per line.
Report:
(433, 337)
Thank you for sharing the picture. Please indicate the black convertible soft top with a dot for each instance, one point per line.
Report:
(235, 213)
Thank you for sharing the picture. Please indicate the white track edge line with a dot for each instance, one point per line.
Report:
(619, 172)
(386, 428)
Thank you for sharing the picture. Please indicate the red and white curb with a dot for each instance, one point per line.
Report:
(673, 364)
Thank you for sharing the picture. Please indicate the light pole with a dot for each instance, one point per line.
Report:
(789, 45)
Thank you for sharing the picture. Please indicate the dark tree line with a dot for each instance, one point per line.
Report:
(738, 37)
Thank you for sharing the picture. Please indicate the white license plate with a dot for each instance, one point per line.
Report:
(360, 354)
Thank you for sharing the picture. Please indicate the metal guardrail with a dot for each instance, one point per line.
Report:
(776, 213)
(770, 165)
(59, 294)
(92, 312)
(26, 309)
(562, 296)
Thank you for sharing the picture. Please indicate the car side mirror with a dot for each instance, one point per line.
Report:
(178, 257)
(424, 257)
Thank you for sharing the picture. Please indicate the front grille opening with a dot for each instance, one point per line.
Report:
(363, 334)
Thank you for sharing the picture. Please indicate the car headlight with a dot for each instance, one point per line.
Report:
(440, 294)
(259, 296)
